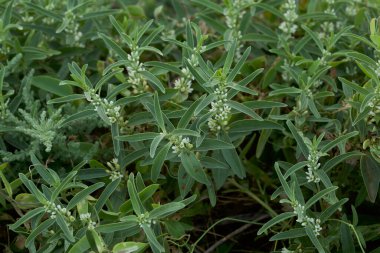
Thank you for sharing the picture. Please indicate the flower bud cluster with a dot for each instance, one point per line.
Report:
(220, 111)
(183, 83)
(114, 170)
(72, 29)
(233, 15)
(313, 166)
(134, 67)
(143, 219)
(180, 144)
(54, 209)
(112, 112)
(288, 26)
(327, 29)
(86, 217)
(305, 220)
(330, 7)
(323, 59)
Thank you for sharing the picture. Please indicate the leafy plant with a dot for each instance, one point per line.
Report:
(160, 125)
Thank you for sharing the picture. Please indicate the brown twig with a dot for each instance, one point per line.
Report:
(227, 237)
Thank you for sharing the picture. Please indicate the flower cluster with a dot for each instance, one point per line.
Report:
(114, 170)
(323, 60)
(234, 14)
(220, 111)
(54, 209)
(180, 144)
(134, 67)
(313, 166)
(73, 34)
(183, 83)
(330, 7)
(143, 219)
(288, 26)
(112, 112)
(86, 217)
(305, 220)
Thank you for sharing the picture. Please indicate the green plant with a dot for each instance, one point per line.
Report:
(124, 127)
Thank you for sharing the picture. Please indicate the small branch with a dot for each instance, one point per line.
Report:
(227, 237)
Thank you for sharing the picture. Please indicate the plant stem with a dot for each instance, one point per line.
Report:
(254, 196)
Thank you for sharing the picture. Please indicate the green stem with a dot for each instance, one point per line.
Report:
(353, 229)
(254, 196)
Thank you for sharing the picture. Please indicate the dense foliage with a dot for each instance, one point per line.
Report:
(189, 126)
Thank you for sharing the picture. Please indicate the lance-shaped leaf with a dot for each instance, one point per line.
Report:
(194, 168)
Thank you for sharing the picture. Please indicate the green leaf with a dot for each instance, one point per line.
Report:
(7, 185)
(66, 99)
(153, 146)
(213, 144)
(244, 109)
(211, 5)
(230, 58)
(165, 210)
(130, 247)
(107, 77)
(153, 80)
(332, 209)
(143, 195)
(203, 103)
(117, 145)
(158, 114)
(62, 185)
(315, 37)
(290, 234)
(319, 195)
(183, 131)
(185, 182)
(193, 167)
(29, 215)
(237, 87)
(159, 161)
(118, 226)
(238, 65)
(79, 115)
(83, 194)
(131, 99)
(337, 141)
(110, 188)
(285, 91)
(301, 144)
(32, 188)
(279, 218)
(138, 207)
(314, 239)
(114, 46)
(370, 170)
(152, 238)
(164, 65)
(37, 231)
(64, 227)
(346, 239)
(354, 86)
(249, 125)
(338, 159)
(80, 246)
(361, 58)
(138, 137)
(295, 168)
(234, 161)
(51, 84)
(284, 184)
